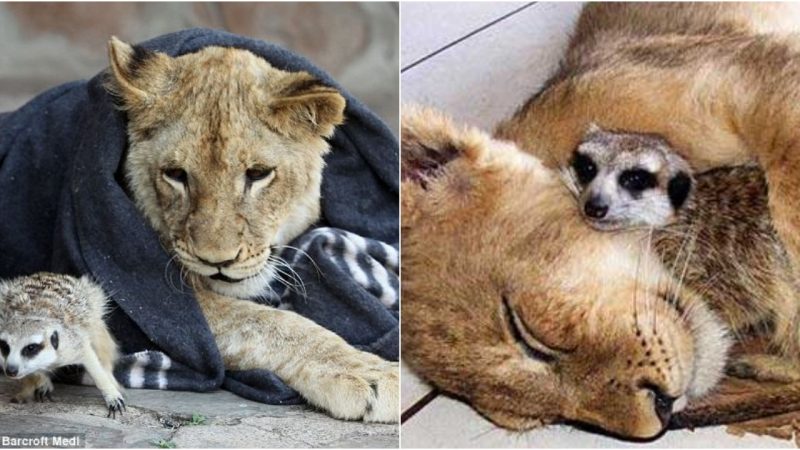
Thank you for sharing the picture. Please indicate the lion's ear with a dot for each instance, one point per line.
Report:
(138, 76)
(430, 141)
(301, 105)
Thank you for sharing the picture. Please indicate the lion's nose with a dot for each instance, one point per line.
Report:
(218, 262)
(661, 401)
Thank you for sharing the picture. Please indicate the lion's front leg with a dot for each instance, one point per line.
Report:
(321, 366)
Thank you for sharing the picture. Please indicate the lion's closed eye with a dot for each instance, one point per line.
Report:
(532, 347)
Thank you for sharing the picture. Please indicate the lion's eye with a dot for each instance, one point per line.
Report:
(534, 348)
(176, 174)
(259, 173)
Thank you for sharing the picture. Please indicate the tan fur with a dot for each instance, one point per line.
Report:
(488, 240)
(217, 115)
(698, 74)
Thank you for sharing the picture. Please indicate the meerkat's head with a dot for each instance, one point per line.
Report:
(28, 344)
(628, 180)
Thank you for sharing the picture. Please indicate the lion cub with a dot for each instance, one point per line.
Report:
(225, 161)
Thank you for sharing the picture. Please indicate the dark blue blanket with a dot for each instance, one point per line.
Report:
(63, 209)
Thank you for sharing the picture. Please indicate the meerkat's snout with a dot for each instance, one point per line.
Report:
(628, 180)
(11, 371)
(595, 207)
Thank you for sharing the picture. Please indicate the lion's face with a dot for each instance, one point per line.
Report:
(512, 302)
(225, 157)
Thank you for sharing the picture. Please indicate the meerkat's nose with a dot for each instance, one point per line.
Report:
(12, 371)
(595, 208)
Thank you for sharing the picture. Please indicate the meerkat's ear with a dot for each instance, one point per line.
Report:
(137, 76)
(54, 340)
(430, 141)
(678, 189)
(300, 104)
(592, 128)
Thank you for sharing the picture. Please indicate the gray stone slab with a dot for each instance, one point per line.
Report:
(152, 416)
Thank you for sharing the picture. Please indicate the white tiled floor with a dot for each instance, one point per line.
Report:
(479, 62)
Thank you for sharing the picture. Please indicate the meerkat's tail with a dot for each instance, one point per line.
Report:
(739, 401)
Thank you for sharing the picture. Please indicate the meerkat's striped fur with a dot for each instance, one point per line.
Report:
(723, 244)
(49, 321)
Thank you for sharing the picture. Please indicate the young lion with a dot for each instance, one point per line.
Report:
(512, 302)
(225, 160)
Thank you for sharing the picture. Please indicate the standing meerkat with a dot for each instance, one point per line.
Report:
(49, 321)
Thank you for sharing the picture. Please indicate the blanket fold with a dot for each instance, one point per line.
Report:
(66, 211)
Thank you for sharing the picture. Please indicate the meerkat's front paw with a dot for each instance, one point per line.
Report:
(36, 387)
(763, 367)
(115, 401)
(44, 392)
(365, 388)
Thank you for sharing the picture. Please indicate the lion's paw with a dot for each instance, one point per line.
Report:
(368, 389)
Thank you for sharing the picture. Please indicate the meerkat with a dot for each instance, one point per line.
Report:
(49, 321)
(713, 229)
(722, 243)
(626, 180)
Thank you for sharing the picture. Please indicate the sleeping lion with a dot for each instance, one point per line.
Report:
(512, 303)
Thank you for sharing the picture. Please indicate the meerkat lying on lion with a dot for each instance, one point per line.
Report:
(721, 82)
(713, 229)
(536, 327)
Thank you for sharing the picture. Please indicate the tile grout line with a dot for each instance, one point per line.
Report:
(466, 36)
(418, 405)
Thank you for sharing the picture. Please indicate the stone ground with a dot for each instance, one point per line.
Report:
(164, 418)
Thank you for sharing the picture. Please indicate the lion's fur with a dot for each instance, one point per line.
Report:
(720, 82)
(485, 228)
(197, 125)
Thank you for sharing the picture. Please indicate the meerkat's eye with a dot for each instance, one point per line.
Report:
(176, 174)
(637, 180)
(31, 350)
(4, 349)
(584, 168)
(259, 173)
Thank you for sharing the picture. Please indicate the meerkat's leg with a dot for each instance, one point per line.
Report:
(104, 380)
(105, 347)
(320, 365)
(36, 386)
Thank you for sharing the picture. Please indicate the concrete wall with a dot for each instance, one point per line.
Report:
(45, 44)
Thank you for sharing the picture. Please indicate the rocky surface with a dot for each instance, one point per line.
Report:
(184, 419)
